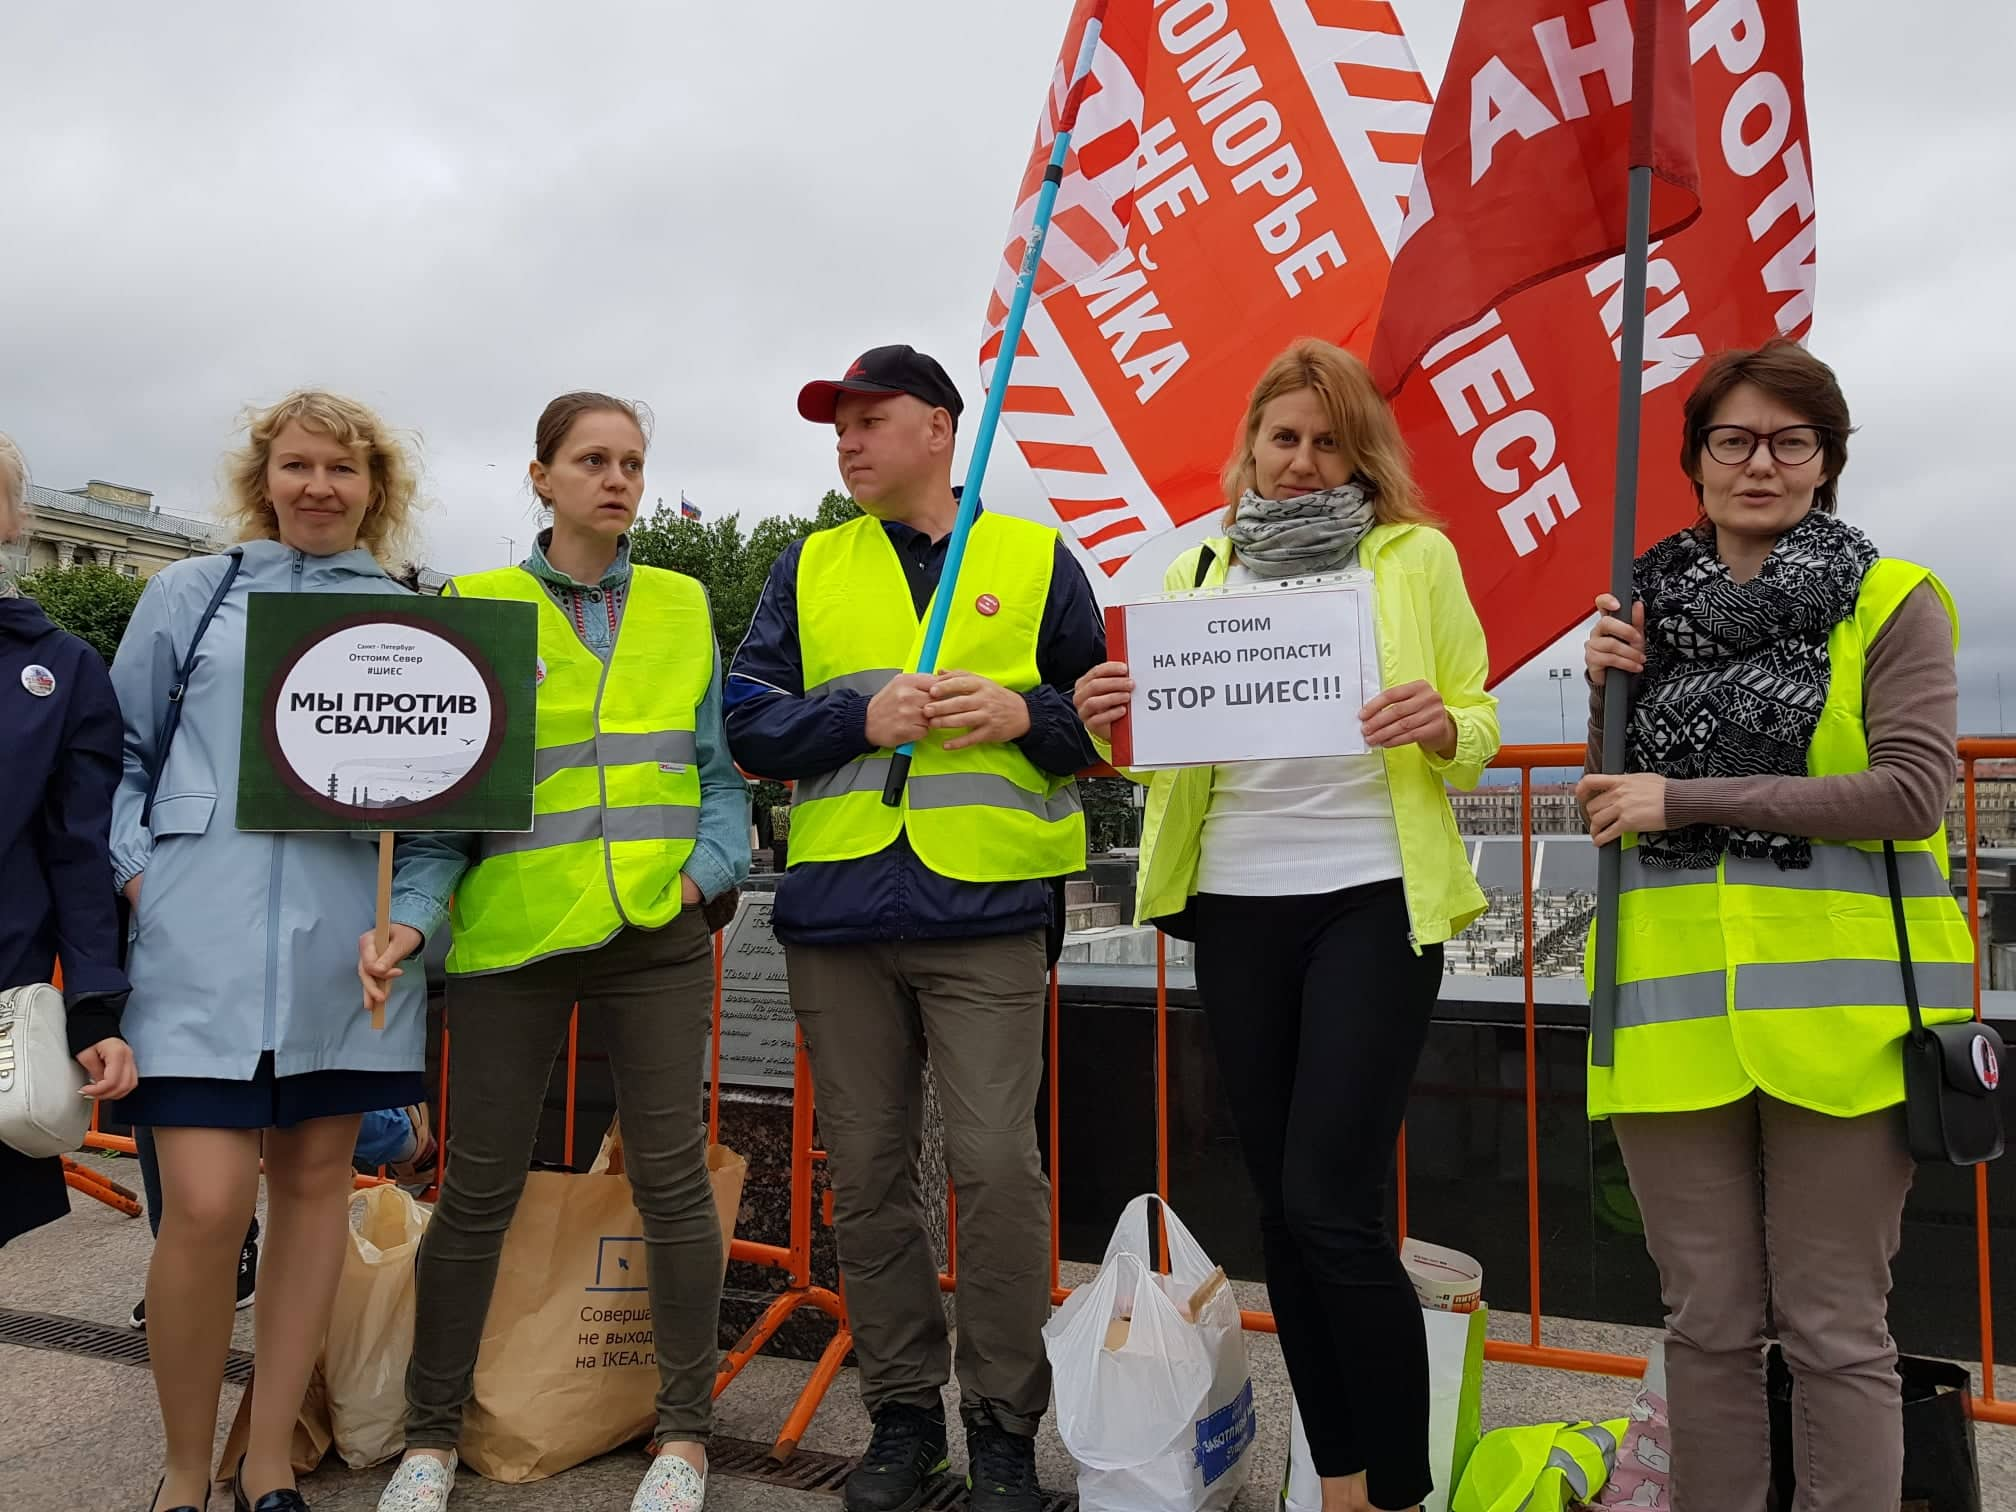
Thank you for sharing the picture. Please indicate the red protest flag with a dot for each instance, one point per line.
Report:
(1237, 179)
(1522, 175)
(1512, 410)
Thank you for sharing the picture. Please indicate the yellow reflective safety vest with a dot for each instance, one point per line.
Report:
(616, 795)
(1751, 978)
(1539, 1469)
(984, 814)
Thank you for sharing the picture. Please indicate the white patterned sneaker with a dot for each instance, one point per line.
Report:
(421, 1484)
(670, 1485)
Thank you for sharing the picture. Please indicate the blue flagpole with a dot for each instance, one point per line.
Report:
(997, 393)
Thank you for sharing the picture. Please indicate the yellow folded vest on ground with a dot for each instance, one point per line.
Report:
(1539, 1469)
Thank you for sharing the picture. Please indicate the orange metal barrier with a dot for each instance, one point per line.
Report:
(795, 1257)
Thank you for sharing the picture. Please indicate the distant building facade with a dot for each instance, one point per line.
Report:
(111, 526)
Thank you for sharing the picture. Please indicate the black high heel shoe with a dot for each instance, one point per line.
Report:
(154, 1505)
(287, 1499)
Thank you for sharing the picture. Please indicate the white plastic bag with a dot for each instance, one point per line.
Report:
(371, 1327)
(1455, 1395)
(1156, 1408)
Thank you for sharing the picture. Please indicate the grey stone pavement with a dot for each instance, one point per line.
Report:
(80, 1435)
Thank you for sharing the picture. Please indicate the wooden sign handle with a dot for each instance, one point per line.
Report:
(384, 935)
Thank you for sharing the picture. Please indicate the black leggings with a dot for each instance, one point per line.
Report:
(1319, 1008)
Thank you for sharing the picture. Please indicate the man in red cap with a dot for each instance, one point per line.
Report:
(923, 933)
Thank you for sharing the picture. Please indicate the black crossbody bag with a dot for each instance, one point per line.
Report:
(1952, 1111)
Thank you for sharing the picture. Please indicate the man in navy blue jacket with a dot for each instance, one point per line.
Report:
(891, 959)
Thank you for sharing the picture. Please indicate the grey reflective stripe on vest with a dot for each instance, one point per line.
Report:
(1839, 984)
(941, 790)
(1835, 868)
(626, 749)
(1571, 1472)
(867, 775)
(1604, 1440)
(648, 821)
(1671, 1000)
(653, 821)
(868, 684)
(1842, 868)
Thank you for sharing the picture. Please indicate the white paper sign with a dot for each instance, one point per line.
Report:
(1267, 672)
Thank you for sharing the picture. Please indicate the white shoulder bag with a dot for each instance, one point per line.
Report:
(42, 1107)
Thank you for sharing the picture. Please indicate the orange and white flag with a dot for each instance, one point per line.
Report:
(1237, 179)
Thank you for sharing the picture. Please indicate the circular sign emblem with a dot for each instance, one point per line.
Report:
(987, 604)
(379, 713)
(38, 680)
(538, 671)
(1987, 1065)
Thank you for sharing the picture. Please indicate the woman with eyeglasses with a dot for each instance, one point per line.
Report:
(1794, 711)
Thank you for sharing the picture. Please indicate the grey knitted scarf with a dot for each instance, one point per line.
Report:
(1305, 535)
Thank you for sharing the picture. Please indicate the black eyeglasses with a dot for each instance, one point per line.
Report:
(1734, 445)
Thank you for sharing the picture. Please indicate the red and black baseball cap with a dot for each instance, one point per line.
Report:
(883, 370)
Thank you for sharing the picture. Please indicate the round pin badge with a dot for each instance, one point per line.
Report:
(1987, 1065)
(538, 671)
(987, 604)
(38, 679)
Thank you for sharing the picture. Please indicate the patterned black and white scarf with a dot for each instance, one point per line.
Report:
(1736, 673)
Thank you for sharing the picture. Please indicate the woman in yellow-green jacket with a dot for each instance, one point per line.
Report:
(1319, 892)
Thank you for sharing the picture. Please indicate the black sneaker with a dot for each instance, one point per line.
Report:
(907, 1449)
(248, 1273)
(1000, 1467)
(138, 1317)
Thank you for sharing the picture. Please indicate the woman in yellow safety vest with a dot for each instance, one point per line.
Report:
(1319, 892)
(1795, 708)
(640, 823)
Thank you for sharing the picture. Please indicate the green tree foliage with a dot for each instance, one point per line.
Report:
(92, 602)
(1110, 816)
(731, 565)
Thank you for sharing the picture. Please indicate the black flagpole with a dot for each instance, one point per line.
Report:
(1624, 520)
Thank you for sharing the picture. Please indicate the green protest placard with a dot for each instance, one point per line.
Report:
(387, 712)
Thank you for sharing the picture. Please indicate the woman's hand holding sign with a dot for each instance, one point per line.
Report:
(1412, 714)
(1102, 696)
(379, 970)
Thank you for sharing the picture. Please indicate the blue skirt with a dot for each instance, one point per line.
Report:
(266, 1101)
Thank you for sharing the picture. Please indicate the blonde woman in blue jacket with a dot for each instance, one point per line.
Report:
(1319, 893)
(247, 1011)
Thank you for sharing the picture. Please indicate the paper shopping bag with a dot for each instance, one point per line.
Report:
(726, 1173)
(567, 1368)
(311, 1431)
(371, 1326)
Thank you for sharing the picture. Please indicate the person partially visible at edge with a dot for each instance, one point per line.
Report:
(1319, 893)
(246, 1011)
(640, 836)
(59, 746)
(1795, 705)
(925, 930)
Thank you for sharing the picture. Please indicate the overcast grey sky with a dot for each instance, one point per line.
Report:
(456, 210)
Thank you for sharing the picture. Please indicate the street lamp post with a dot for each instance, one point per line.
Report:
(1559, 677)
(510, 550)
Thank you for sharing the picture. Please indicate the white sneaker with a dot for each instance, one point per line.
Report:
(670, 1485)
(421, 1484)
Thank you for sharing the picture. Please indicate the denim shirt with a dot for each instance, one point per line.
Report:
(720, 858)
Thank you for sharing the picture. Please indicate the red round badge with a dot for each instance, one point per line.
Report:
(987, 604)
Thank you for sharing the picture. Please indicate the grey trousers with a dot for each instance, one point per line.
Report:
(652, 991)
(871, 1015)
(1763, 1207)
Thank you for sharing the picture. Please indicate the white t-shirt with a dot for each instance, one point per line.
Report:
(1316, 824)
